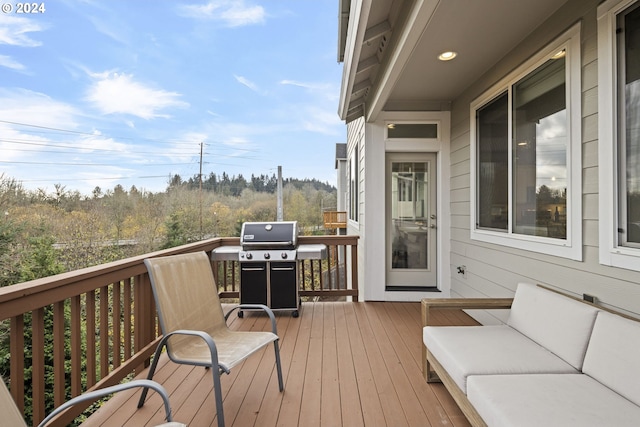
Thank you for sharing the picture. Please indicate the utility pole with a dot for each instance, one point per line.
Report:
(201, 235)
(279, 208)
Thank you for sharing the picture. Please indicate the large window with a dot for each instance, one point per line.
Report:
(353, 184)
(526, 143)
(629, 133)
(619, 132)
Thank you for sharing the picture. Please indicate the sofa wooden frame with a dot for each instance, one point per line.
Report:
(433, 370)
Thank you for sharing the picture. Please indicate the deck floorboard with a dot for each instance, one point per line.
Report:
(344, 364)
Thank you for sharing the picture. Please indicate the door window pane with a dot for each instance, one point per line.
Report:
(409, 207)
(539, 148)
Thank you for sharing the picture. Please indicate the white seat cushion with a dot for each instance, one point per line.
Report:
(486, 350)
(549, 401)
(613, 356)
(558, 323)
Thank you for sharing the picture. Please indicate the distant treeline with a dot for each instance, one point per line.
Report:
(234, 185)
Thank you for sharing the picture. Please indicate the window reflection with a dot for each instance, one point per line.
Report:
(630, 148)
(540, 152)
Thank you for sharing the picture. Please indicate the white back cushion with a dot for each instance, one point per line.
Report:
(560, 324)
(613, 356)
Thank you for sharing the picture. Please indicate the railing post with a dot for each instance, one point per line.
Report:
(354, 270)
(17, 360)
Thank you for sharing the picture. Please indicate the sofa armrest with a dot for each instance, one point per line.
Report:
(429, 304)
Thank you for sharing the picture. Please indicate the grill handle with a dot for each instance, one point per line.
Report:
(253, 268)
(283, 268)
(270, 244)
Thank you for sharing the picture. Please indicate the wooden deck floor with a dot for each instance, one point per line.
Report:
(344, 364)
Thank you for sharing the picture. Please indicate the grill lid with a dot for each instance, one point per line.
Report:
(280, 234)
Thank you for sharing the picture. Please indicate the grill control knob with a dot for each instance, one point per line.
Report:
(249, 255)
(284, 255)
(267, 255)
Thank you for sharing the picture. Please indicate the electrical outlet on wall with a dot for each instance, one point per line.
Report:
(462, 269)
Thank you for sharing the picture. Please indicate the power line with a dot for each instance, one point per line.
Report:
(96, 178)
(93, 164)
(102, 134)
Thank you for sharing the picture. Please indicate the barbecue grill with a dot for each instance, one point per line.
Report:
(268, 257)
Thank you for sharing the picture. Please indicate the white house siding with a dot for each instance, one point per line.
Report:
(355, 140)
(493, 270)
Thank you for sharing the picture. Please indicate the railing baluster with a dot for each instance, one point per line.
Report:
(58, 354)
(104, 331)
(116, 324)
(76, 346)
(38, 367)
(127, 319)
(90, 304)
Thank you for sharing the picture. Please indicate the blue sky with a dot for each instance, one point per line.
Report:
(99, 93)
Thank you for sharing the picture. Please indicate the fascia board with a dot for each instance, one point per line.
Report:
(358, 19)
(415, 24)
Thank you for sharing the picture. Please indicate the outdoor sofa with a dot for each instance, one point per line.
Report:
(557, 361)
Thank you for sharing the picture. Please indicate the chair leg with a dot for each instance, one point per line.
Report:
(278, 365)
(152, 370)
(217, 390)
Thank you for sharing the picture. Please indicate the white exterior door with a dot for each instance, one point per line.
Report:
(411, 221)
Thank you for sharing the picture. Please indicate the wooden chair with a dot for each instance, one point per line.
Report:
(193, 322)
(11, 415)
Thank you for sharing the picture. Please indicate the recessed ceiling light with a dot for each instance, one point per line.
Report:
(391, 126)
(447, 56)
(559, 54)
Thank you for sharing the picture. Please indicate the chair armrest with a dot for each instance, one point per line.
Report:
(96, 394)
(207, 339)
(429, 304)
(263, 307)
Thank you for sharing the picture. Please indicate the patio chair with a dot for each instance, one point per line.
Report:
(11, 415)
(193, 324)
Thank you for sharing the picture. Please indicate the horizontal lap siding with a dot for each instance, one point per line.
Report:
(493, 270)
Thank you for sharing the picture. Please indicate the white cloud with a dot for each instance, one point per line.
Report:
(311, 86)
(321, 121)
(34, 108)
(327, 90)
(114, 93)
(246, 82)
(14, 31)
(7, 61)
(232, 13)
(109, 31)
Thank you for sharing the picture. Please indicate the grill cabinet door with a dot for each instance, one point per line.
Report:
(284, 285)
(253, 283)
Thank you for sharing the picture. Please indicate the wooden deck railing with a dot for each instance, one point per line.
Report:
(334, 219)
(92, 328)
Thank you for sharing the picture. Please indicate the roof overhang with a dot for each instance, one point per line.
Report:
(390, 49)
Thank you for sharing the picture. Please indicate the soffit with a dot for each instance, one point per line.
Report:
(481, 32)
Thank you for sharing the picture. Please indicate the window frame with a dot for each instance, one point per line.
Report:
(611, 253)
(354, 177)
(571, 247)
